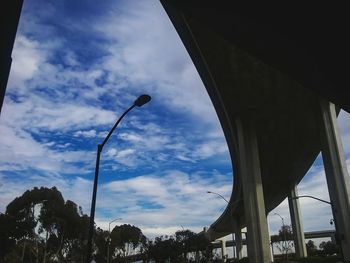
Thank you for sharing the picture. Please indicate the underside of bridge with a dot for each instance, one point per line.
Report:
(265, 69)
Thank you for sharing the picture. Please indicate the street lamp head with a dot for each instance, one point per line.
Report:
(143, 99)
(208, 192)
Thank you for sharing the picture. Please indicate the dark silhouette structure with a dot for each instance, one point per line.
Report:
(271, 71)
(306, 41)
(10, 11)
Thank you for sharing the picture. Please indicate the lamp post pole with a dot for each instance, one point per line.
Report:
(333, 211)
(233, 236)
(309, 196)
(109, 237)
(284, 234)
(143, 99)
(210, 192)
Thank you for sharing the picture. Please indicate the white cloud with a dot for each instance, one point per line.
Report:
(39, 113)
(87, 134)
(68, 116)
(28, 57)
(184, 158)
(211, 148)
(125, 153)
(114, 153)
(156, 60)
(130, 137)
(76, 189)
(59, 109)
(71, 59)
(174, 198)
(55, 98)
(21, 152)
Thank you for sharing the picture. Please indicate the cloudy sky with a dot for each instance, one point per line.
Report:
(76, 67)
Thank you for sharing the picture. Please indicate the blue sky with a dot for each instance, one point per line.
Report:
(76, 67)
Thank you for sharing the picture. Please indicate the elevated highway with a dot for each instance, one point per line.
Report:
(273, 73)
(308, 235)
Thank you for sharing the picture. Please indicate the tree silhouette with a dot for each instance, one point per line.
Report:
(311, 248)
(8, 234)
(101, 242)
(175, 248)
(125, 239)
(164, 248)
(284, 239)
(44, 226)
(329, 248)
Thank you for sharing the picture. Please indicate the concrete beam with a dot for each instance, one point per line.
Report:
(297, 224)
(253, 197)
(308, 235)
(338, 180)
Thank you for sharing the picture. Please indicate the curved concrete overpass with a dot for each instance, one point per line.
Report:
(266, 69)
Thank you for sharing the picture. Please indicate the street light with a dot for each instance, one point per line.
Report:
(318, 199)
(143, 99)
(321, 200)
(210, 192)
(277, 214)
(233, 237)
(284, 234)
(309, 196)
(331, 221)
(109, 236)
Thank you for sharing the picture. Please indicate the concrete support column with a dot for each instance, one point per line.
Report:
(271, 244)
(297, 224)
(337, 175)
(239, 244)
(237, 249)
(249, 170)
(223, 249)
